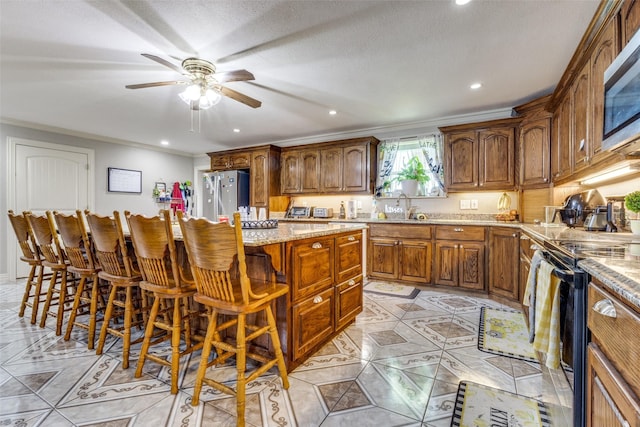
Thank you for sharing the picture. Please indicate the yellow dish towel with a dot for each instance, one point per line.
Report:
(547, 326)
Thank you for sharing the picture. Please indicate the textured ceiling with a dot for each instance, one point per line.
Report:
(383, 65)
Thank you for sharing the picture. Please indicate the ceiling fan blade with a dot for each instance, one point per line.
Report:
(164, 62)
(233, 76)
(144, 85)
(247, 100)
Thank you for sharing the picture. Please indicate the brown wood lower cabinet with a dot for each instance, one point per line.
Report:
(400, 252)
(613, 361)
(325, 279)
(459, 257)
(504, 260)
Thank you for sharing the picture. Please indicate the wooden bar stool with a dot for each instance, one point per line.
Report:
(61, 285)
(217, 259)
(117, 263)
(162, 276)
(89, 291)
(33, 294)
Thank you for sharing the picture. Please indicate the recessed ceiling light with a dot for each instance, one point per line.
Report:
(462, 2)
(476, 86)
(236, 130)
(164, 142)
(332, 112)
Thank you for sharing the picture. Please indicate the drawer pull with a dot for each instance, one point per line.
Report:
(317, 299)
(605, 307)
(524, 237)
(351, 238)
(352, 282)
(458, 229)
(317, 245)
(535, 247)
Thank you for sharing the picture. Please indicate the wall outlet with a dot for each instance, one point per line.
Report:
(465, 204)
(474, 204)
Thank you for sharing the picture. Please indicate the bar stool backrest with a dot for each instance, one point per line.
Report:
(74, 236)
(109, 244)
(24, 236)
(155, 248)
(45, 234)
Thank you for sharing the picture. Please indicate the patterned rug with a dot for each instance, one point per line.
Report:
(392, 289)
(505, 332)
(480, 405)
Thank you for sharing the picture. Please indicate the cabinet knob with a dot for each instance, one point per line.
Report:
(351, 238)
(458, 230)
(317, 299)
(605, 307)
(546, 179)
(352, 282)
(514, 235)
(461, 247)
(455, 246)
(317, 245)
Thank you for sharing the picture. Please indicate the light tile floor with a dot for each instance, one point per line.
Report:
(399, 364)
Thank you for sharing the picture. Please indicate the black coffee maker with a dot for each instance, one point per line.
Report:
(578, 206)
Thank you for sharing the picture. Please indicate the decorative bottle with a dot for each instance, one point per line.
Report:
(343, 214)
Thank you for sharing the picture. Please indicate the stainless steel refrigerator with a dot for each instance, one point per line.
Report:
(224, 192)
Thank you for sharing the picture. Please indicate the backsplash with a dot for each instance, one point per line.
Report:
(487, 204)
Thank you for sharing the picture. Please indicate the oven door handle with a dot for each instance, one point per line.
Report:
(564, 275)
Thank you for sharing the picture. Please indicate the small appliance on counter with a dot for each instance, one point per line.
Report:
(578, 206)
(300, 212)
(323, 212)
(352, 209)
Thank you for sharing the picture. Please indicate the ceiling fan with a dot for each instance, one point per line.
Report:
(204, 85)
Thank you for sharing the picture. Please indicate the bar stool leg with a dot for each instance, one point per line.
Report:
(47, 302)
(241, 361)
(27, 290)
(107, 319)
(148, 335)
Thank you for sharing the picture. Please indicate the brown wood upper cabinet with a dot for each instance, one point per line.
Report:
(331, 167)
(480, 156)
(578, 102)
(535, 144)
(263, 163)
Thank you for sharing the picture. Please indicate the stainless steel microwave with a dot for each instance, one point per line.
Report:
(622, 97)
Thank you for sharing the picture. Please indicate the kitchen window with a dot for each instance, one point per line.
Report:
(395, 153)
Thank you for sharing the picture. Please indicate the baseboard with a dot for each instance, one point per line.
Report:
(4, 277)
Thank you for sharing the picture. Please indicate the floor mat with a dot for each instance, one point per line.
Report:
(505, 332)
(392, 289)
(480, 405)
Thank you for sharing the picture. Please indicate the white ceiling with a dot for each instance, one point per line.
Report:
(383, 65)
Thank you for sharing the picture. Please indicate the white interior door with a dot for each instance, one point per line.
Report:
(48, 177)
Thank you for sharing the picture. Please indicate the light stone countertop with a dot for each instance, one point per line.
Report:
(286, 232)
(620, 276)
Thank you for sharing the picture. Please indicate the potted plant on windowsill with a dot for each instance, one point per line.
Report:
(411, 176)
(632, 203)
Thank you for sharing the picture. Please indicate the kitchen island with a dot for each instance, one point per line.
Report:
(323, 266)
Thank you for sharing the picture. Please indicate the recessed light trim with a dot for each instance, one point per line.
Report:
(332, 112)
(236, 130)
(462, 2)
(164, 142)
(475, 86)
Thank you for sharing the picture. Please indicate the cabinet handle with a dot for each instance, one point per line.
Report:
(546, 179)
(455, 246)
(605, 307)
(317, 245)
(461, 247)
(351, 238)
(352, 282)
(524, 237)
(514, 235)
(317, 299)
(535, 247)
(457, 229)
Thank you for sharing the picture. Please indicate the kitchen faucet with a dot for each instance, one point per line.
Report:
(407, 205)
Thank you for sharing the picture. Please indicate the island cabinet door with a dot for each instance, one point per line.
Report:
(348, 256)
(312, 262)
(313, 322)
(348, 301)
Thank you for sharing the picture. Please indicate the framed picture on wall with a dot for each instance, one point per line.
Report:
(124, 180)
